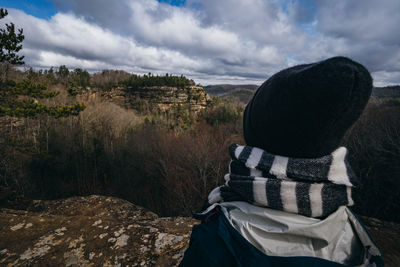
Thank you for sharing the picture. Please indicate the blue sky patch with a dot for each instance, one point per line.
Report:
(173, 2)
(38, 8)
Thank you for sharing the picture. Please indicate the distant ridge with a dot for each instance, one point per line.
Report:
(219, 89)
(392, 91)
(243, 93)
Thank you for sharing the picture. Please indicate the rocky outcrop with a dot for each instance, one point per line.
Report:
(161, 98)
(107, 231)
(90, 231)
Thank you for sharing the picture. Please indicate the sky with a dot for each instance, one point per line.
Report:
(210, 41)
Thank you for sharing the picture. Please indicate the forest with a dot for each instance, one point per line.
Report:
(106, 149)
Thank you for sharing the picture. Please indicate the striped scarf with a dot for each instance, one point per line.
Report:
(310, 187)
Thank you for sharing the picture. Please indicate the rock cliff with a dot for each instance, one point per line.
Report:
(161, 98)
(107, 231)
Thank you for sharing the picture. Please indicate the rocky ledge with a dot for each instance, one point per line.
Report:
(161, 98)
(91, 231)
(107, 231)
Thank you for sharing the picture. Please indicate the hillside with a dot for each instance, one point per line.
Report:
(148, 93)
(220, 89)
(388, 91)
(243, 93)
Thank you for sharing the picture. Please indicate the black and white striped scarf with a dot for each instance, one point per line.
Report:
(311, 187)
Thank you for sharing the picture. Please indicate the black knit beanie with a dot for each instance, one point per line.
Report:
(304, 111)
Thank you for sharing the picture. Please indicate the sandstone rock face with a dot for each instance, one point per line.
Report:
(107, 231)
(162, 98)
(91, 231)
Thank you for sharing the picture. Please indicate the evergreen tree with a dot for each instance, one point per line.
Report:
(29, 106)
(10, 42)
(63, 72)
(21, 99)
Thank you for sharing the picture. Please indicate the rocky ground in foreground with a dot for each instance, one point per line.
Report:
(107, 231)
(91, 231)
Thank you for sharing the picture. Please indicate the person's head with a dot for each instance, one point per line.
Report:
(304, 111)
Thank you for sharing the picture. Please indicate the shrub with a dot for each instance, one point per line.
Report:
(222, 112)
(374, 146)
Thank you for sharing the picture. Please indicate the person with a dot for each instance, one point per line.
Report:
(286, 196)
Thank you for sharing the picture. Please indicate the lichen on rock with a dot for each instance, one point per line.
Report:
(91, 231)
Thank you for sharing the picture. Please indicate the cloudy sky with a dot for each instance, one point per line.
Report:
(211, 41)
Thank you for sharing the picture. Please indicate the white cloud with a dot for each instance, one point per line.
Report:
(79, 43)
(214, 41)
(384, 78)
(369, 28)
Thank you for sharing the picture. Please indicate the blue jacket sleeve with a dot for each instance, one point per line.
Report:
(206, 248)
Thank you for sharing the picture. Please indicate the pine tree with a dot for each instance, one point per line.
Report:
(29, 106)
(10, 42)
(21, 99)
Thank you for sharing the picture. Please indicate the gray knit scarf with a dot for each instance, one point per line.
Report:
(310, 187)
